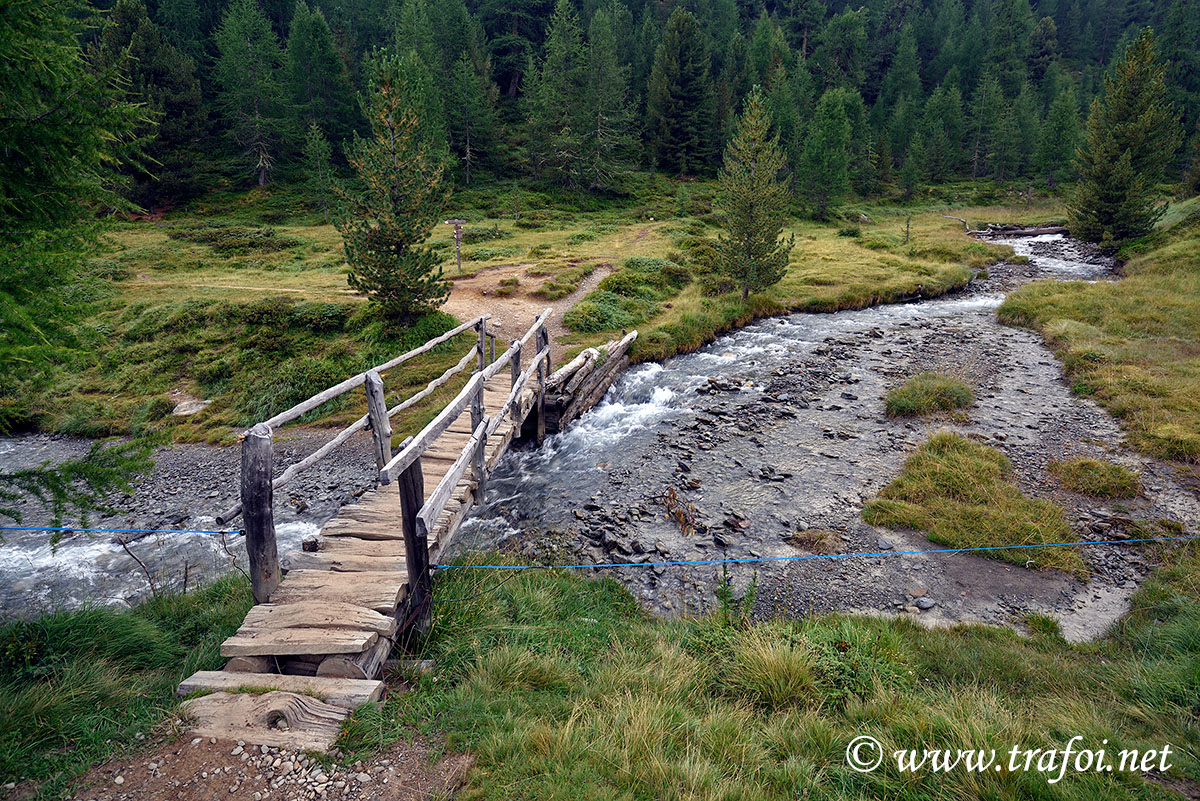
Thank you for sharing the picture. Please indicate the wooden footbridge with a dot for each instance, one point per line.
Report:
(311, 649)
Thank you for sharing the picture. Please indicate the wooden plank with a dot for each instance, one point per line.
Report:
(319, 615)
(250, 664)
(345, 563)
(346, 693)
(360, 547)
(365, 665)
(311, 724)
(286, 642)
(379, 591)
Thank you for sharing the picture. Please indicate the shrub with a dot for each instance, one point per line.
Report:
(473, 236)
(1097, 478)
(234, 239)
(928, 392)
(321, 317)
(850, 231)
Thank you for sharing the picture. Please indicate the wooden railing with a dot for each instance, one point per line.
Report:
(419, 515)
(258, 485)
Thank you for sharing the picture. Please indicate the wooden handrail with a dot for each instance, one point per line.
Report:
(421, 442)
(517, 389)
(357, 380)
(358, 425)
(445, 489)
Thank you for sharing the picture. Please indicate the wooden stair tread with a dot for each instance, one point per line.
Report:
(312, 725)
(346, 693)
(319, 615)
(342, 562)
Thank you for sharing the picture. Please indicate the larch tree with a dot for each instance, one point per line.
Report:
(399, 200)
(251, 91)
(753, 198)
(1131, 135)
(681, 103)
(470, 114)
(318, 170)
(67, 128)
(825, 162)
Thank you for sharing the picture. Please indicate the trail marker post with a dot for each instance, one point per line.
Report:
(458, 224)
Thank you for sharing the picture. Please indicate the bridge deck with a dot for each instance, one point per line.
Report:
(311, 655)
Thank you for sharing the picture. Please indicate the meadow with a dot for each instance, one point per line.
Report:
(242, 298)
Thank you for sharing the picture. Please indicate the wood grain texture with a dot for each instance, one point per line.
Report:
(346, 693)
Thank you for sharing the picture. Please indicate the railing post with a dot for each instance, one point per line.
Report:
(258, 512)
(481, 327)
(543, 371)
(515, 362)
(481, 448)
(416, 547)
(381, 427)
(491, 348)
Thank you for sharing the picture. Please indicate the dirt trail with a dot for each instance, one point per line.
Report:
(204, 769)
(511, 314)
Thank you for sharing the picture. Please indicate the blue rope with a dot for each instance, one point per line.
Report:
(121, 530)
(806, 556)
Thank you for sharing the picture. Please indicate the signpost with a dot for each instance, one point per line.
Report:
(458, 224)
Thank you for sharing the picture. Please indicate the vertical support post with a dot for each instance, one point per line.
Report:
(491, 348)
(481, 327)
(416, 548)
(515, 362)
(258, 514)
(381, 427)
(542, 339)
(481, 447)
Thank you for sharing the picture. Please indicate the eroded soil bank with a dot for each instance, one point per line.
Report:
(780, 428)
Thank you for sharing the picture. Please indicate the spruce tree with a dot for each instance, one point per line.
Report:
(606, 120)
(1131, 136)
(400, 197)
(470, 114)
(754, 201)
(1055, 156)
(826, 158)
(251, 92)
(317, 80)
(163, 80)
(1008, 48)
(681, 103)
(556, 136)
(318, 169)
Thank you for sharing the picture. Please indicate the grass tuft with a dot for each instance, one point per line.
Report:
(928, 392)
(1096, 478)
(961, 494)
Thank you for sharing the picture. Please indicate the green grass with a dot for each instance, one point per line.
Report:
(1096, 478)
(76, 687)
(928, 392)
(961, 494)
(562, 689)
(1134, 344)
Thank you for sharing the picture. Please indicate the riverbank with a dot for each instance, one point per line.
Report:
(549, 685)
(770, 441)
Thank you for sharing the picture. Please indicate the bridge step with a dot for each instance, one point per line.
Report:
(360, 547)
(379, 590)
(345, 693)
(254, 718)
(319, 615)
(297, 642)
(341, 562)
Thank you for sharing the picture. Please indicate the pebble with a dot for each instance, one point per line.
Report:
(362, 778)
